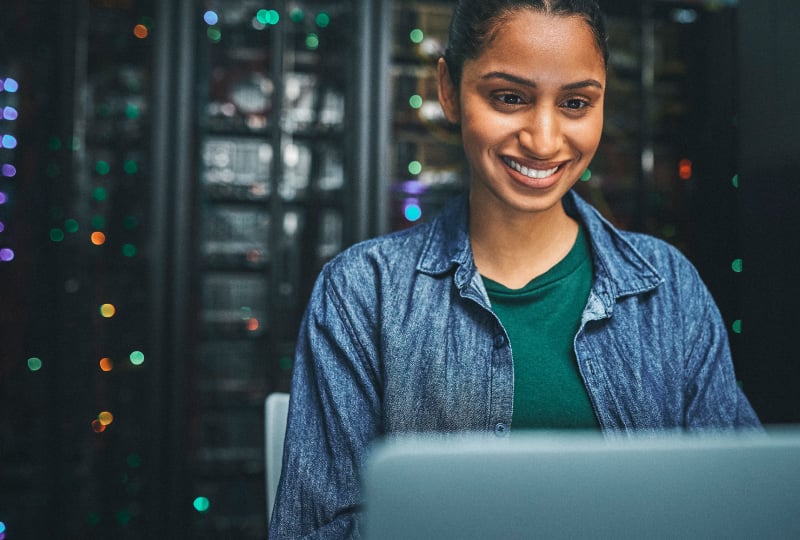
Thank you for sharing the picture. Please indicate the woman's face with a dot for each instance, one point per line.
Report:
(530, 108)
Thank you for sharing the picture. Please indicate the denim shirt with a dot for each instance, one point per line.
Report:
(399, 336)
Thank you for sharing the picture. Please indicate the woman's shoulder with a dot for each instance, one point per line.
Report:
(669, 261)
(608, 236)
(630, 248)
(653, 247)
(659, 251)
(389, 252)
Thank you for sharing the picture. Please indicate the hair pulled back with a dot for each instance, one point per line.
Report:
(474, 20)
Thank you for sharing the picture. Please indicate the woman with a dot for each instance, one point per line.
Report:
(413, 332)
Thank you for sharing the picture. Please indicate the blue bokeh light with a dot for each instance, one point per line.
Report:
(210, 17)
(412, 211)
(9, 85)
(8, 141)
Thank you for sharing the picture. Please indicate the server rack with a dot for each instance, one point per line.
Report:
(75, 450)
(274, 201)
(187, 168)
(285, 148)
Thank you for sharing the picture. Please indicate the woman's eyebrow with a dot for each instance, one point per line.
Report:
(587, 83)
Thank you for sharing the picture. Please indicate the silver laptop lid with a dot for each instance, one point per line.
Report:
(552, 485)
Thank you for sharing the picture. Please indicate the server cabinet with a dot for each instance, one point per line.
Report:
(75, 456)
(174, 174)
(272, 203)
(427, 165)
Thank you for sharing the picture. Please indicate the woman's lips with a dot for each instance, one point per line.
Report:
(530, 172)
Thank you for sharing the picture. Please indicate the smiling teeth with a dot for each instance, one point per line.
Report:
(531, 173)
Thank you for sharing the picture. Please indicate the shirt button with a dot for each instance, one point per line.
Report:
(500, 429)
(499, 341)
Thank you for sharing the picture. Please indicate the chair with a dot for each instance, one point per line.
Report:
(276, 408)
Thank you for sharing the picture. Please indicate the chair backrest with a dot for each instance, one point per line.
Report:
(276, 408)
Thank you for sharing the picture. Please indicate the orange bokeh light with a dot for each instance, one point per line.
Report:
(685, 169)
(252, 324)
(98, 238)
(140, 31)
(106, 364)
(105, 418)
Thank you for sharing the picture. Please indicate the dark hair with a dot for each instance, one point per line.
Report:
(474, 20)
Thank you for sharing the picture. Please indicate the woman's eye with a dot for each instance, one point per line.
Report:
(509, 99)
(576, 104)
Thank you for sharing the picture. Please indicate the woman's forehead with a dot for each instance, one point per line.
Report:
(529, 40)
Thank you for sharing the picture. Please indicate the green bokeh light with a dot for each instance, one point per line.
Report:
(123, 517)
(34, 363)
(129, 250)
(286, 363)
(137, 358)
(56, 235)
(312, 41)
(586, 176)
(102, 167)
(71, 225)
(297, 15)
(131, 167)
(416, 36)
(268, 16)
(132, 111)
(134, 461)
(737, 265)
(737, 326)
(214, 34)
(323, 19)
(99, 194)
(415, 167)
(415, 101)
(201, 504)
(735, 181)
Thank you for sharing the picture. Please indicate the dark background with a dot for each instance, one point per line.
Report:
(209, 282)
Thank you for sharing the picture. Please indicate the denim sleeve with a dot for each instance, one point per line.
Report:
(714, 399)
(334, 413)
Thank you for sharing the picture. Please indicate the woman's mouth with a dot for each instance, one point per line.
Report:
(538, 174)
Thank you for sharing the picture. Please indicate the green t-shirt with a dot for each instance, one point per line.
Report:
(542, 319)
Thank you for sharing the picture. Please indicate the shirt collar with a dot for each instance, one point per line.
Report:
(447, 243)
(620, 269)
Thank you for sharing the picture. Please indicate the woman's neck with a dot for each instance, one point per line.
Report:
(512, 247)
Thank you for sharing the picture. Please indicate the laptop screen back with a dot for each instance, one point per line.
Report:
(579, 486)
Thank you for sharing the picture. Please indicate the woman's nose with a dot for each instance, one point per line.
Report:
(541, 135)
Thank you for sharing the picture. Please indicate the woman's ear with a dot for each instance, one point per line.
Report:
(448, 94)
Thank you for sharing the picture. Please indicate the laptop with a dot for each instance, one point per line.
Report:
(558, 485)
